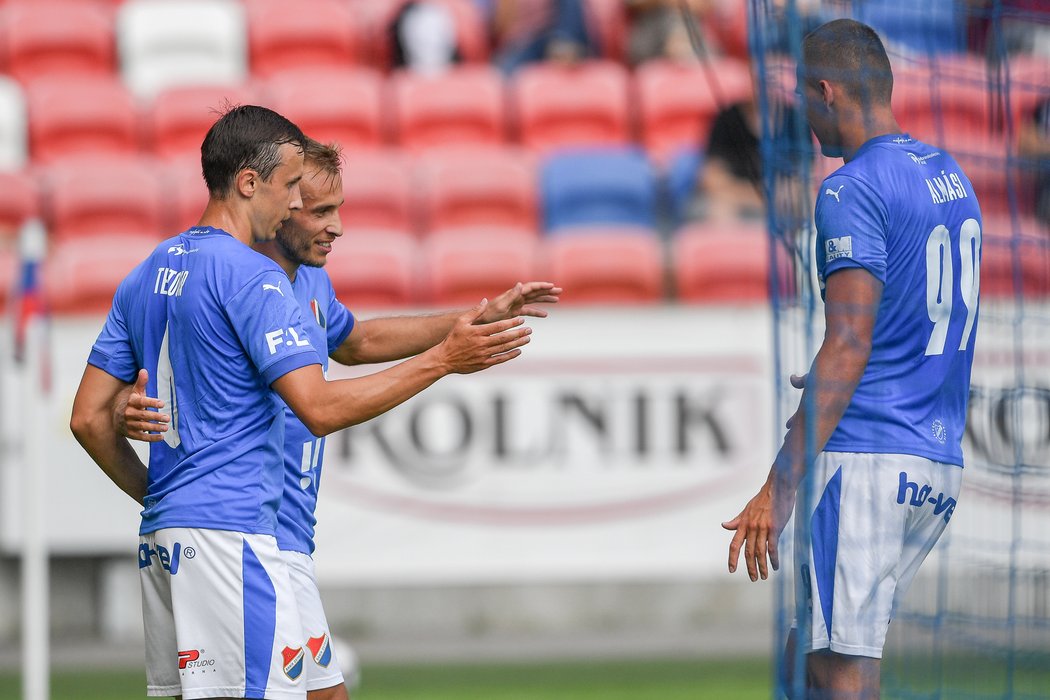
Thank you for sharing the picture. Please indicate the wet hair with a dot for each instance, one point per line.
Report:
(245, 137)
(324, 157)
(849, 53)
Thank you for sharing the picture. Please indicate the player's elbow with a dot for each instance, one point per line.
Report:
(84, 424)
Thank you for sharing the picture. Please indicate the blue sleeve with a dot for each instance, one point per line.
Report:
(270, 326)
(851, 225)
(340, 320)
(112, 352)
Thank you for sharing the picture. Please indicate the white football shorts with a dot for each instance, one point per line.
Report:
(873, 519)
(220, 616)
(322, 666)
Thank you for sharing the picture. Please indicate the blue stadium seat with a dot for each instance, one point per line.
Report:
(598, 186)
(679, 181)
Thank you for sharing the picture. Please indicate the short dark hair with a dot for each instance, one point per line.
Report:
(246, 136)
(849, 53)
(325, 157)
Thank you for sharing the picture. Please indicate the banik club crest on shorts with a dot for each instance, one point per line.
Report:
(321, 650)
(293, 661)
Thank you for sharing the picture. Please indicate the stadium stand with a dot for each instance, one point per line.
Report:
(314, 34)
(102, 195)
(466, 105)
(34, 42)
(8, 272)
(555, 106)
(80, 114)
(19, 200)
(497, 189)
(606, 265)
(167, 43)
(81, 274)
(374, 269)
(460, 268)
(178, 118)
(719, 263)
(345, 105)
(14, 126)
(679, 180)
(1015, 264)
(471, 35)
(609, 19)
(377, 187)
(598, 186)
(185, 194)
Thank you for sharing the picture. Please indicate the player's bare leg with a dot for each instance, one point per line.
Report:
(336, 692)
(832, 676)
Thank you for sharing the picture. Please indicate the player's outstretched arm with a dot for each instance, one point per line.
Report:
(93, 426)
(325, 407)
(397, 337)
(132, 416)
(851, 303)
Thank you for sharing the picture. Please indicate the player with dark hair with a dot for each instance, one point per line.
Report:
(884, 404)
(215, 325)
(301, 248)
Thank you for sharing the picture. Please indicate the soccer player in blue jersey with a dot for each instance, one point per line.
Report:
(884, 405)
(301, 248)
(216, 326)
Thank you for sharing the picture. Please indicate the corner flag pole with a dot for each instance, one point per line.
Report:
(32, 350)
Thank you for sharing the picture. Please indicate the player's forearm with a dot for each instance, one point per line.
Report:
(111, 453)
(394, 338)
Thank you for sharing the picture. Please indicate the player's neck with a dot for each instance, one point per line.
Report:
(219, 214)
(877, 123)
(272, 250)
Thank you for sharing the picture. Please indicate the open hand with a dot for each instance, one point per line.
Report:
(758, 529)
(519, 300)
(473, 345)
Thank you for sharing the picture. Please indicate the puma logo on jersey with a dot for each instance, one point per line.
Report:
(276, 288)
(834, 193)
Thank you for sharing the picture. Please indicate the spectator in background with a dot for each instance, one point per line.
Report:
(1033, 143)
(526, 31)
(424, 38)
(657, 30)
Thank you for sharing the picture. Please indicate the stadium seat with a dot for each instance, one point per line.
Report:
(471, 34)
(81, 274)
(721, 263)
(185, 194)
(345, 105)
(80, 114)
(377, 188)
(304, 34)
(1015, 261)
(56, 36)
(14, 128)
(96, 195)
(465, 105)
(477, 186)
(19, 200)
(942, 108)
(373, 270)
(677, 102)
(556, 106)
(599, 265)
(680, 179)
(168, 43)
(598, 186)
(179, 117)
(460, 268)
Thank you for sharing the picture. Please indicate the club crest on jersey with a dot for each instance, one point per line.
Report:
(293, 661)
(315, 306)
(835, 248)
(321, 649)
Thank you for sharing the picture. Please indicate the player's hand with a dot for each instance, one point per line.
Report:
(132, 417)
(799, 382)
(758, 529)
(519, 300)
(472, 346)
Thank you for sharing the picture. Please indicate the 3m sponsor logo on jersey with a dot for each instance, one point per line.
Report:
(293, 661)
(170, 282)
(321, 649)
(285, 336)
(169, 561)
(835, 248)
(190, 660)
(918, 496)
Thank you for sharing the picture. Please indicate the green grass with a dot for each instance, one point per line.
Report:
(607, 680)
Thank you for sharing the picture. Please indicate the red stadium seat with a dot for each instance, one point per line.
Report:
(466, 105)
(314, 34)
(724, 262)
(377, 190)
(179, 118)
(375, 270)
(344, 105)
(103, 195)
(941, 107)
(185, 194)
(469, 187)
(81, 275)
(678, 101)
(460, 268)
(1015, 262)
(607, 266)
(583, 105)
(83, 114)
(19, 200)
(57, 36)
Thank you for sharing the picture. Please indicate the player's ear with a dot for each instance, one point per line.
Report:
(246, 182)
(827, 94)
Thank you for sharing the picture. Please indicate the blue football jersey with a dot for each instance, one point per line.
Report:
(327, 324)
(215, 323)
(906, 212)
